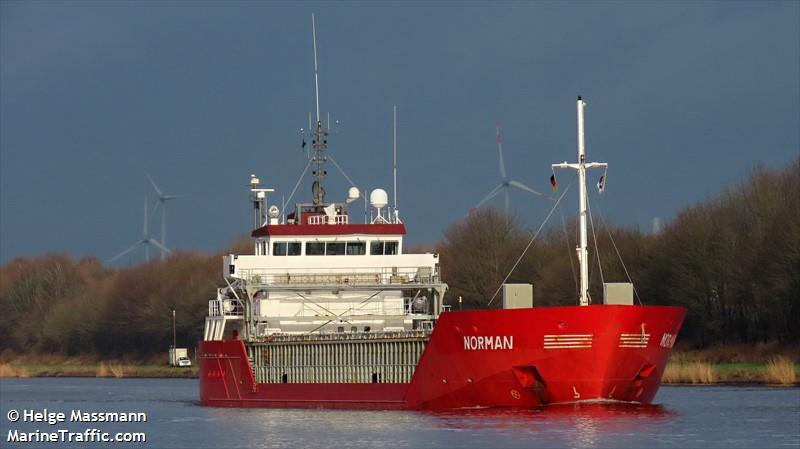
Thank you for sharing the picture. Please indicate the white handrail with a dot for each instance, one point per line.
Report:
(341, 276)
(325, 219)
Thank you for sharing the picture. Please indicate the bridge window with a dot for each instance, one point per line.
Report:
(286, 249)
(340, 248)
(356, 248)
(334, 249)
(315, 249)
(383, 248)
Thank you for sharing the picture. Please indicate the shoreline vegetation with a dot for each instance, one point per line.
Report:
(60, 366)
(763, 363)
(684, 368)
(779, 371)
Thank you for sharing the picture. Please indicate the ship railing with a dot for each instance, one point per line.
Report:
(387, 276)
(225, 307)
(326, 219)
(341, 336)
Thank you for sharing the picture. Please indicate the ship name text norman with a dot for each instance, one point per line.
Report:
(488, 342)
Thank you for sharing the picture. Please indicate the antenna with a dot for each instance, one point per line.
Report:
(394, 160)
(320, 142)
(316, 69)
(319, 135)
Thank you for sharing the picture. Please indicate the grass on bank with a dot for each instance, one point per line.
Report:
(780, 371)
(83, 366)
(689, 373)
(731, 365)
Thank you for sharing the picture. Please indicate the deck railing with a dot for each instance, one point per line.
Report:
(341, 276)
(325, 219)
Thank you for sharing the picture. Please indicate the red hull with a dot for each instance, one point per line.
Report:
(518, 358)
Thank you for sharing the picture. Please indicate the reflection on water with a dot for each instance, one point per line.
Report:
(591, 410)
(731, 417)
(585, 421)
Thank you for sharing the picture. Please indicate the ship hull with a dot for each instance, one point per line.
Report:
(517, 358)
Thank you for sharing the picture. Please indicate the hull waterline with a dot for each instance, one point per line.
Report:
(515, 358)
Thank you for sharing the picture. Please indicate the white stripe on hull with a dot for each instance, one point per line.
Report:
(638, 340)
(568, 341)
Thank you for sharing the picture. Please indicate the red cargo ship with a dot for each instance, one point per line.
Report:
(332, 314)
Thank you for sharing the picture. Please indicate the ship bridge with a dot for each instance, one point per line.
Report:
(319, 274)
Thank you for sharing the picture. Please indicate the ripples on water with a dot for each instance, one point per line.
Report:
(729, 417)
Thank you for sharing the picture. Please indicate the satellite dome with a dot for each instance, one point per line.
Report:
(353, 193)
(379, 198)
(274, 211)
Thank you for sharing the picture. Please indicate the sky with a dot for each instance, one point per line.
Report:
(683, 99)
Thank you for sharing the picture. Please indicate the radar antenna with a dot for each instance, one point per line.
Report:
(320, 134)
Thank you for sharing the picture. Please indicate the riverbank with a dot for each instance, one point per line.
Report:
(691, 367)
(58, 366)
(767, 363)
(775, 372)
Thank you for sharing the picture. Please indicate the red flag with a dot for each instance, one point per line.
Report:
(553, 183)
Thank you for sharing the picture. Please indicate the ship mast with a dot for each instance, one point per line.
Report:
(320, 134)
(581, 166)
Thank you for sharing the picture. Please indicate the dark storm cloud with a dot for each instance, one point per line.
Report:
(683, 99)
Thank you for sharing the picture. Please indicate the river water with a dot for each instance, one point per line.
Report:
(707, 417)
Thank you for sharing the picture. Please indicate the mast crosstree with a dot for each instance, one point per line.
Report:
(581, 166)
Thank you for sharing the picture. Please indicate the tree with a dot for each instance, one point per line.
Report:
(478, 252)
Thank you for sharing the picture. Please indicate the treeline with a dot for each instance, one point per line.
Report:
(57, 304)
(733, 261)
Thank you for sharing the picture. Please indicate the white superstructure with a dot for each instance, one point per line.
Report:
(317, 273)
(314, 271)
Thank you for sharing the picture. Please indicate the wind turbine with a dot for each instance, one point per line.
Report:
(505, 183)
(145, 241)
(162, 201)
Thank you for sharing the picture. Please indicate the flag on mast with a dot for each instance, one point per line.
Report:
(601, 184)
(553, 183)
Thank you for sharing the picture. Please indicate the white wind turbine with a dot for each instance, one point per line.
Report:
(162, 201)
(145, 241)
(505, 183)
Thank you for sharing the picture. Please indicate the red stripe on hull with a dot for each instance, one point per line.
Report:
(516, 358)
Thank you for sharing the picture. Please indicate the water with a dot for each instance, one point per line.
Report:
(708, 417)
